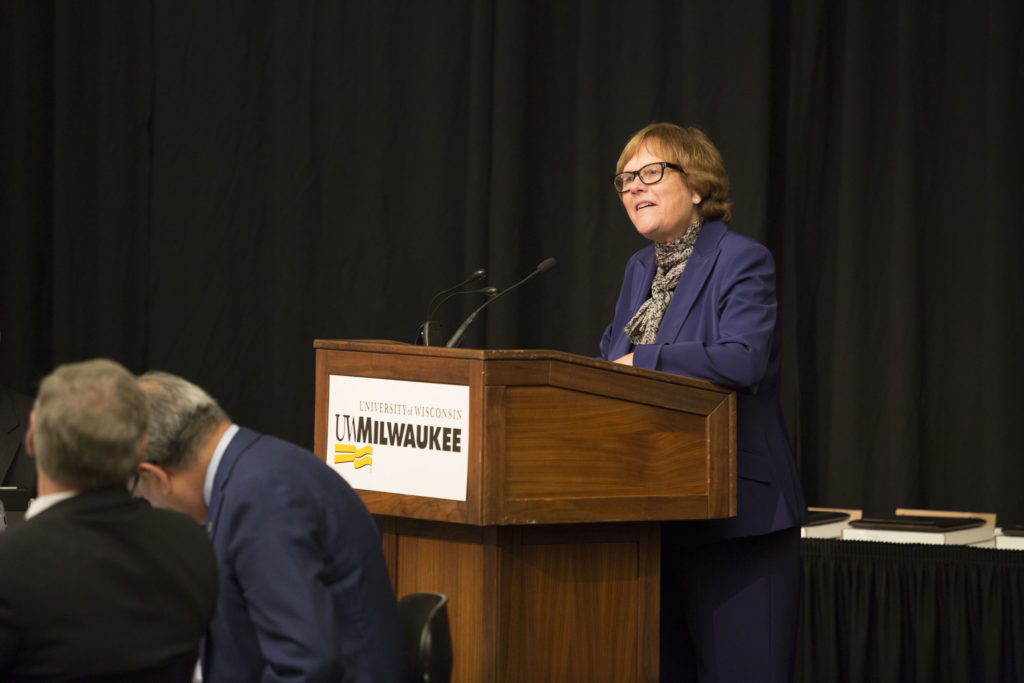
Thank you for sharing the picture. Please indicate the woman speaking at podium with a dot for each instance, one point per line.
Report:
(700, 301)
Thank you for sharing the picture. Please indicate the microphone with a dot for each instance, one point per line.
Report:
(545, 265)
(429, 333)
(478, 274)
(489, 291)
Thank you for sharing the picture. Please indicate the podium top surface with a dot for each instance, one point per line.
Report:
(400, 348)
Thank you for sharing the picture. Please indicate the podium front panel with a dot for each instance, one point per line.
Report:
(557, 438)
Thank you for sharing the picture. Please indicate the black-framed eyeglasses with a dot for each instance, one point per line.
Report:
(648, 175)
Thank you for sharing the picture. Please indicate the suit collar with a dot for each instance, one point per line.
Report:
(710, 238)
(88, 501)
(227, 433)
(41, 504)
(695, 275)
(240, 442)
(641, 288)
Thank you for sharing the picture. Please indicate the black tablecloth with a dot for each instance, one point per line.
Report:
(898, 612)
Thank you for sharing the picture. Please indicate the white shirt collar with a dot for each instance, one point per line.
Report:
(37, 505)
(211, 469)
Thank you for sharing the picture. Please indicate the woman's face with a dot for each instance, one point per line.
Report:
(663, 211)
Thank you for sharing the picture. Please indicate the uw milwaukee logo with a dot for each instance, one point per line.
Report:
(359, 457)
(398, 436)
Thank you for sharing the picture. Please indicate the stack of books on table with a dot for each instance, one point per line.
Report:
(935, 529)
(827, 522)
(1011, 537)
(13, 503)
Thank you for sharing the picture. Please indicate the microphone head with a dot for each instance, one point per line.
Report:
(546, 264)
(478, 274)
(492, 294)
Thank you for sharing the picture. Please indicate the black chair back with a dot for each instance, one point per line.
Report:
(424, 618)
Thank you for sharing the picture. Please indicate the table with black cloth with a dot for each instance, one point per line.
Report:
(904, 612)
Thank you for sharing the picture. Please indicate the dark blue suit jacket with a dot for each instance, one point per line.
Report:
(305, 593)
(721, 326)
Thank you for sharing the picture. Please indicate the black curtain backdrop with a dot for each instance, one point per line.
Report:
(207, 186)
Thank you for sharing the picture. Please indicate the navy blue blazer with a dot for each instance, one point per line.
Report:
(721, 326)
(305, 593)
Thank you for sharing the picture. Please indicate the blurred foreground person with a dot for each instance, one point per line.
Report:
(96, 585)
(305, 593)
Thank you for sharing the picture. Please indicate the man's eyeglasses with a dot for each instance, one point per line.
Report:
(648, 175)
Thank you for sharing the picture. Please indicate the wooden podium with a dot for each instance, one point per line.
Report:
(552, 562)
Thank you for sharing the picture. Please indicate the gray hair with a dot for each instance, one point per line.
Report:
(182, 417)
(90, 423)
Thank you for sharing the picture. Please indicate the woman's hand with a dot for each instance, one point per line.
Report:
(625, 360)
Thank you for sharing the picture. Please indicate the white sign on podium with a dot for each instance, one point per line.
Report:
(397, 436)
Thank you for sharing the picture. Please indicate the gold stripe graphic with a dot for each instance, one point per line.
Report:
(359, 457)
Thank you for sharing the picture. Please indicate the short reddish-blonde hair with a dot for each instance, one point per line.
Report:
(700, 159)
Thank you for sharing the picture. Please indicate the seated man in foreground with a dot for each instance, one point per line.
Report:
(95, 584)
(305, 594)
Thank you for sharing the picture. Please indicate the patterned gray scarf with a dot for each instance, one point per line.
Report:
(671, 259)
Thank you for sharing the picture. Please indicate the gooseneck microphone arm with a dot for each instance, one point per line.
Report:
(489, 291)
(478, 274)
(429, 333)
(544, 265)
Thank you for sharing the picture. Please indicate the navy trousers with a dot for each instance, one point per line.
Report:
(730, 610)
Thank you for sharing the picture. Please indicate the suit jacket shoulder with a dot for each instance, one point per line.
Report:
(102, 557)
(305, 564)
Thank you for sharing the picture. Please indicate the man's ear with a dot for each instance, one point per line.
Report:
(30, 445)
(158, 475)
(143, 446)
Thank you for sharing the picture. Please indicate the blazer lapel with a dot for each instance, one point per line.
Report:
(691, 282)
(641, 285)
(241, 441)
(640, 291)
